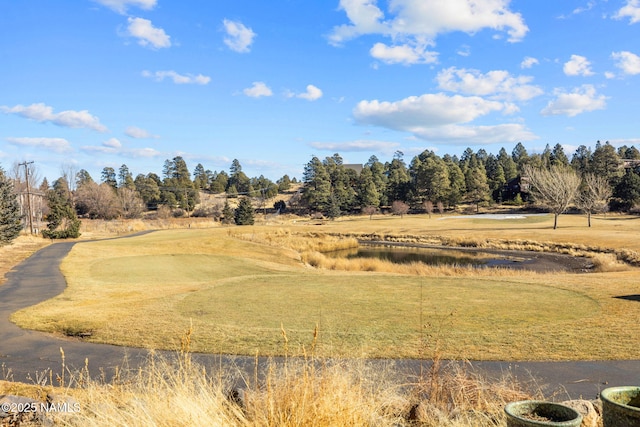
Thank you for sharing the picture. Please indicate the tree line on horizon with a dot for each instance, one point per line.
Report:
(332, 188)
(477, 178)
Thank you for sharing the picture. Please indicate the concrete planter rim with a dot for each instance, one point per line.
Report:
(606, 395)
(511, 411)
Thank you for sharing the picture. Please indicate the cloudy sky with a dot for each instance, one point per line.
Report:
(96, 83)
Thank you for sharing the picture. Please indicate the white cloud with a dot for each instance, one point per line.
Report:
(403, 54)
(112, 143)
(443, 118)
(57, 145)
(239, 38)
(121, 6)
(470, 135)
(147, 34)
(427, 110)
(426, 19)
(114, 146)
(628, 62)
(138, 133)
(582, 9)
(257, 90)
(179, 79)
(580, 100)
(631, 10)
(465, 50)
(143, 152)
(358, 145)
(499, 84)
(313, 93)
(365, 17)
(577, 66)
(43, 113)
(528, 62)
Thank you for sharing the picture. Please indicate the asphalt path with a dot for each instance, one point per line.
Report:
(27, 356)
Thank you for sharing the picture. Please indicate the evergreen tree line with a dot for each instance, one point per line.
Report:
(329, 186)
(479, 178)
(119, 194)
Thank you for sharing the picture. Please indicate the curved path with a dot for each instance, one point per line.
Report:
(25, 353)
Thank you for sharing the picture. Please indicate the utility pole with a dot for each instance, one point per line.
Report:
(26, 177)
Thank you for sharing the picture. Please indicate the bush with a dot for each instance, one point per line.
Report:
(178, 213)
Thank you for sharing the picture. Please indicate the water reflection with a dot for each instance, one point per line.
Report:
(430, 256)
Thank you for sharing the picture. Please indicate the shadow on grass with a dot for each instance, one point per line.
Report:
(629, 297)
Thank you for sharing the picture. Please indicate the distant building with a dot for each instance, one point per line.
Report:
(353, 166)
(515, 186)
(629, 163)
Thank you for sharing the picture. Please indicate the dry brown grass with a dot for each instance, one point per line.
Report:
(100, 229)
(299, 242)
(312, 247)
(311, 391)
(142, 291)
(319, 260)
(612, 255)
(300, 391)
(20, 249)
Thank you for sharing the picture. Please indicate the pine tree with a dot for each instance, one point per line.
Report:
(627, 192)
(284, 184)
(200, 178)
(457, 184)
(606, 162)
(10, 218)
(368, 194)
(477, 185)
(333, 210)
(244, 212)
(227, 213)
(125, 178)
(109, 176)
(398, 181)
(177, 187)
(62, 221)
(317, 188)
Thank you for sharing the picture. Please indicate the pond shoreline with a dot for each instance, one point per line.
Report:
(541, 262)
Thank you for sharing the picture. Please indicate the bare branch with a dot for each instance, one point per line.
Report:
(555, 188)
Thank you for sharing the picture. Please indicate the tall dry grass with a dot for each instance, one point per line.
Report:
(320, 260)
(622, 256)
(312, 247)
(175, 391)
(299, 242)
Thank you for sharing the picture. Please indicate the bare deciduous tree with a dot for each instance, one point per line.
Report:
(131, 204)
(369, 210)
(428, 207)
(594, 195)
(399, 208)
(97, 200)
(555, 188)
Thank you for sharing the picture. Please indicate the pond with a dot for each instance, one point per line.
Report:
(430, 256)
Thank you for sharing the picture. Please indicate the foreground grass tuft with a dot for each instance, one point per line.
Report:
(301, 391)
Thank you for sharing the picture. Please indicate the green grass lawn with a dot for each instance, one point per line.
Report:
(240, 297)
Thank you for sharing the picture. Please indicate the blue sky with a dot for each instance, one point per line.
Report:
(95, 83)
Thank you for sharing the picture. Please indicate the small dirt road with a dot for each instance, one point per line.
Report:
(25, 354)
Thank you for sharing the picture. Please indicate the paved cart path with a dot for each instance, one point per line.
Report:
(24, 353)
